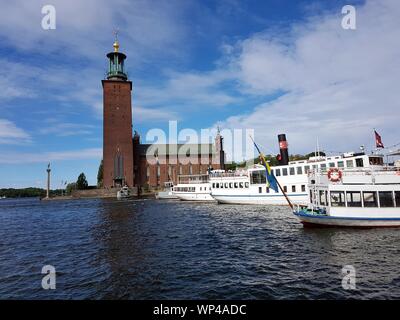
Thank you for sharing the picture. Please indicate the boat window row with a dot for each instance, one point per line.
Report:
(298, 170)
(230, 185)
(383, 199)
(184, 189)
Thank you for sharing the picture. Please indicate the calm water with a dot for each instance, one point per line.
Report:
(147, 249)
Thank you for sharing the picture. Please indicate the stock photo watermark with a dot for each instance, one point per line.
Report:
(189, 146)
(349, 18)
(49, 280)
(49, 19)
(349, 278)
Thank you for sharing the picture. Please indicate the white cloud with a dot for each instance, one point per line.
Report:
(338, 84)
(20, 157)
(11, 134)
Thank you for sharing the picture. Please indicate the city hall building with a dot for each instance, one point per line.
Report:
(126, 161)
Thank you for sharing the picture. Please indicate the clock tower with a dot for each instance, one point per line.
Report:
(117, 123)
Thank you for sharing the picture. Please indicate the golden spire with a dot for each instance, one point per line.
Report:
(116, 43)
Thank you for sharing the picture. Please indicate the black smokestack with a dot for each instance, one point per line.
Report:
(283, 147)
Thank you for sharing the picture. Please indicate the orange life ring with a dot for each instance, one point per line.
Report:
(334, 175)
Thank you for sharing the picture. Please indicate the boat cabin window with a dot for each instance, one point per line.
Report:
(349, 163)
(236, 185)
(277, 172)
(299, 170)
(397, 198)
(258, 177)
(370, 199)
(331, 164)
(337, 199)
(353, 199)
(303, 188)
(284, 171)
(386, 199)
(376, 161)
(359, 163)
(259, 189)
(323, 166)
(291, 171)
(231, 185)
(322, 197)
(285, 188)
(246, 184)
(306, 169)
(267, 190)
(241, 184)
(293, 188)
(226, 185)
(340, 164)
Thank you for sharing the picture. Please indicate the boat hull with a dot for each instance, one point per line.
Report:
(312, 220)
(260, 199)
(186, 196)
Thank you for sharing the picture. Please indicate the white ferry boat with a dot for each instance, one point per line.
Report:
(167, 192)
(194, 187)
(249, 186)
(360, 197)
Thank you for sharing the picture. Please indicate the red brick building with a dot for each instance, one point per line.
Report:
(128, 162)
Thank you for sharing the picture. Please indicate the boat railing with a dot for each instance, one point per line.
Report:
(235, 174)
(365, 171)
(193, 179)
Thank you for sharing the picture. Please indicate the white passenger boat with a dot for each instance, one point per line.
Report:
(249, 186)
(123, 193)
(361, 197)
(194, 187)
(167, 192)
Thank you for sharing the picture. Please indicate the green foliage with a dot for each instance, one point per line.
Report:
(100, 175)
(70, 187)
(81, 183)
(27, 192)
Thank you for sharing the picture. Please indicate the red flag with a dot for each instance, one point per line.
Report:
(378, 140)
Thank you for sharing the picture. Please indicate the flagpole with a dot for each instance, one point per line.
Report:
(277, 182)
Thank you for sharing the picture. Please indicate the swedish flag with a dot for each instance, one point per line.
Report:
(271, 180)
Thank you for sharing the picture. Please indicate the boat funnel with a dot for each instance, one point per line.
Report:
(283, 147)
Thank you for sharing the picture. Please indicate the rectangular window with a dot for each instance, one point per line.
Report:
(158, 171)
(306, 169)
(386, 199)
(353, 199)
(349, 163)
(322, 198)
(285, 188)
(267, 190)
(359, 163)
(331, 164)
(291, 171)
(397, 198)
(293, 188)
(258, 177)
(213, 185)
(299, 170)
(277, 172)
(337, 199)
(370, 199)
(323, 166)
(259, 189)
(303, 188)
(340, 164)
(284, 171)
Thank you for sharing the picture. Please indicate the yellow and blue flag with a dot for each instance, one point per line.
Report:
(271, 180)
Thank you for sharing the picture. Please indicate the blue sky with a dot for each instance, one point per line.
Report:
(273, 66)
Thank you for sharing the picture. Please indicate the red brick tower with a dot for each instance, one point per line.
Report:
(117, 123)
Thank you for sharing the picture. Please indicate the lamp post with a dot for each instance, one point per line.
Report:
(48, 181)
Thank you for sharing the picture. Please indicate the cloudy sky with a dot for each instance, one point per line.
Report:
(275, 66)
